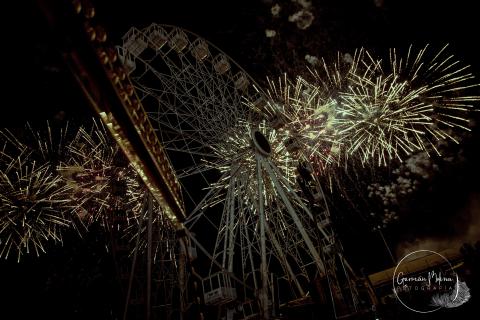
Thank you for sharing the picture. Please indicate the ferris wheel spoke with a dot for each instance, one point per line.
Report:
(284, 261)
(202, 205)
(293, 214)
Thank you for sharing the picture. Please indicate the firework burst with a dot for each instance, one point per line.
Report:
(439, 81)
(380, 120)
(35, 206)
(35, 203)
(236, 160)
(96, 172)
(391, 114)
(358, 108)
(304, 111)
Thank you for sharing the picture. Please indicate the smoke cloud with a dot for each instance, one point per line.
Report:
(466, 226)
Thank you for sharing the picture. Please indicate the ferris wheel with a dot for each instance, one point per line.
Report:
(262, 218)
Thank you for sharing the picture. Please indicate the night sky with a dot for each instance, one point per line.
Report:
(74, 282)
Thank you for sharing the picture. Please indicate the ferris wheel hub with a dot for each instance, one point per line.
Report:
(261, 143)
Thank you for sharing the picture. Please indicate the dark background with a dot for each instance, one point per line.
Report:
(36, 81)
(75, 281)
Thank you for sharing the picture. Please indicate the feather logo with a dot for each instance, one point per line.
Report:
(452, 299)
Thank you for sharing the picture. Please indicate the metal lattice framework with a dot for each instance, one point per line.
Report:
(193, 90)
(158, 261)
